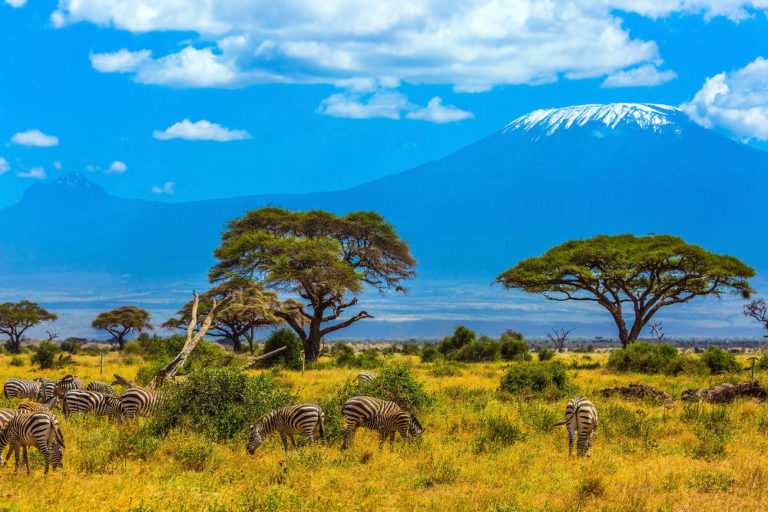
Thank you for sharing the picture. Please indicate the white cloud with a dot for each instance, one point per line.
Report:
(119, 62)
(116, 167)
(16, 3)
(436, 112)
(387, 104)
(4, 165)
(37, 173)
(165, 189)
(736, 101)
(34, 138)
(643, 76)
(200, 130)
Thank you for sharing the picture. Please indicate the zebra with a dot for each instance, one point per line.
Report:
(6, 414)
(306, 419)
(138, 402)
(19, 388)
(33, 429)
(47, 390)
(100, 387)
(365, 376)
(68, 383)
(53, 403)
(76, 401)
(389, 423)
(580, 418)
(358, 409)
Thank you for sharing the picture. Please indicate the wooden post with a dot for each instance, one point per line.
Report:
(302, 363)
(101, 365)
(754, 363)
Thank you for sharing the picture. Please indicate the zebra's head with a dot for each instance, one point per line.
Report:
(114, 407)
(414, 427)
(255, 437)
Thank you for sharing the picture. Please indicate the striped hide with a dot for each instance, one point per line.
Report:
(20, 388)
(359, 409)
(580, 420)
(101, 387)
(84, 402)
(38, 429)
(138, 402)
(307, 419)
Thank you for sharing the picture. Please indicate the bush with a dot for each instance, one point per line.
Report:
(535, 378)
(545, 354)
(17, 361)
(443, 368)
(195, 456)
(411, 349)
(461, 336)
(71, 345)
(290, 358)
(395, 383)
(45, 355)
(343, 353)
(650, 358)
(133, 347)
(219, 402)
(429, 353)
(368, 359)
(718, 360)
(514, 349)
(484, 349)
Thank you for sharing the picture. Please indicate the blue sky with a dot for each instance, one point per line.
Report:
(178, 101)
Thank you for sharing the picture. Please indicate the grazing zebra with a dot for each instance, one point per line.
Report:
(358, 409)
(305, 419)
(365, 376)
(68, 383)
(389, 423)
(6, 415)
(53, 403)
(138, 402)
(76, 401)
(581, 419)
(100, 387)
(19, 388)
(32, 429)
(47, 390)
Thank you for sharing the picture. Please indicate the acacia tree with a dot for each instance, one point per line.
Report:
(121, 321)
(324, 259)
(646, 273)
(757, 309)
(17, 317)
(559, 337)
(249, 307)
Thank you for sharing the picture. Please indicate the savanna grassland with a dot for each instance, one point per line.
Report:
(482, 450)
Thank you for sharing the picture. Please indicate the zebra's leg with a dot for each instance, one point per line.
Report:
(293, 442)
(46, 455)
(310, 438)
(570, 443)
(591, 440)
(285, 442)
(349, 432)
(16, 450)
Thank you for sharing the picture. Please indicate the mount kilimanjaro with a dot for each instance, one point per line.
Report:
(546, 177)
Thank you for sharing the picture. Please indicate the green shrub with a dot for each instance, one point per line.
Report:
(342, 353)
(650, 358)
(17, 361)
(411, 349)
(718, 360)
(545, 354)
(461, 336)
(290, 358)
(429, 353)
(133, 347)
(45, 355)
(395, 383)
(71, 346)
(714, 428)
(196, 456)
(535, 378)
(443, 368)
(485, 349)
(219, 402)
(368, 359)
(513, 349)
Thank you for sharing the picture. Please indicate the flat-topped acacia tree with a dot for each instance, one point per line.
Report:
(645, 273)
(324, 259)
(17, 317)
(121, 321)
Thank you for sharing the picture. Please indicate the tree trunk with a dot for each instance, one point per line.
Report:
(237, 347)
(14, 343)
(312, 344)
(121, 343)
(262, 357)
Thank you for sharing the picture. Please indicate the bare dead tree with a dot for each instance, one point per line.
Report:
(758, 309)
(658, 331)
(256, 360)
(52, 335)
(558, 337)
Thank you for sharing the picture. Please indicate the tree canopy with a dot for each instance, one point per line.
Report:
(17, 317)
(646, 273)
(324, 259)
(121, 321)
(250, 307)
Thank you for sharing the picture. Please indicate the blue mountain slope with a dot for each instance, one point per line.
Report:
(547, 177)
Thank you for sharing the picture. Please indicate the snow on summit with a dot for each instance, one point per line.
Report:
(642, 115)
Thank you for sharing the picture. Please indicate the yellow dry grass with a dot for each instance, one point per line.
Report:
(656, 464)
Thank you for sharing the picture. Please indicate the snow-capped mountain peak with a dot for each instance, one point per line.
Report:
(646, 116)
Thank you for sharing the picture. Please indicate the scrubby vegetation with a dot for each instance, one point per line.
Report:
(653, 358)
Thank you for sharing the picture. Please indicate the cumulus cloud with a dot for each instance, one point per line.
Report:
(736, 101)
(121, 61)
(4, 165)
(37, 173)
(643, 76)
(165, 189)
(436, 112)
(116, 167)
(200, 130)
(16, 3)
(35, 138)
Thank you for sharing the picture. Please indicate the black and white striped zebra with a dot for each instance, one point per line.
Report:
(38, 429)
(68, 383)
(365, 376)
(53, 403)
(307, 419)
(6, 414)
(77, 401)
(100, 387)
(390, 423)
(581, 420)
(359, 409)
(138, 402)
(20, 388)
(47, 390)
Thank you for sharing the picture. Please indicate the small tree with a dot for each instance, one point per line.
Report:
(17, 317)
(758, 309)
(324, 259)
(648, 273)
(121, 321)
(658, 331)
(559, 337)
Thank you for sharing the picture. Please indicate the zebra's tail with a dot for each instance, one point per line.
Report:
(561, 423)
(321, 427)
(59, 436)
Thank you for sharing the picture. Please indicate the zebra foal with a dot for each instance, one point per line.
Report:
(33, 429)
(580, 420)
(357, 410)
(52, 403)
(390, 423)
(77, 401)
(100, 387)
(307, 419)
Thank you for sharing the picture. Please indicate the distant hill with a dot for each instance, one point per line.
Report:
(548, 176)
